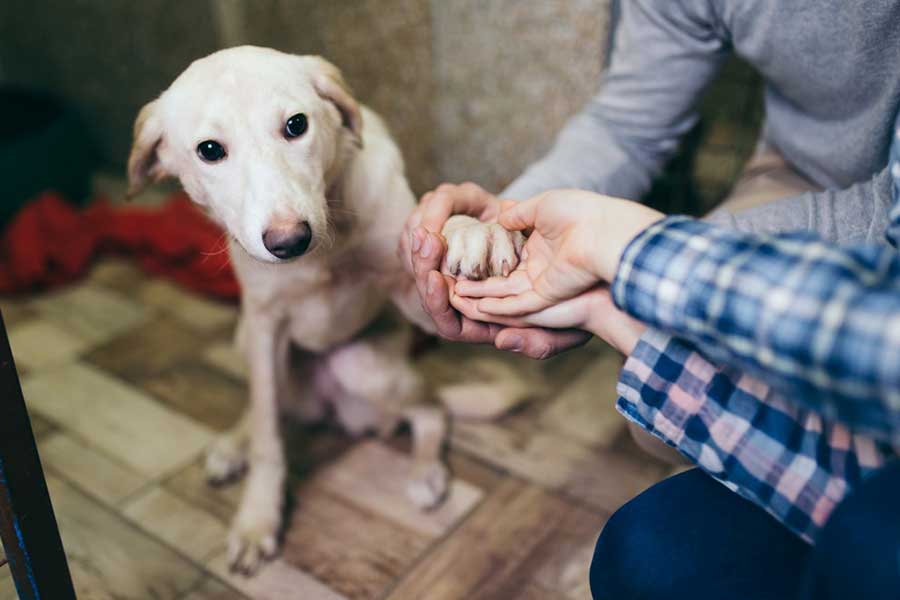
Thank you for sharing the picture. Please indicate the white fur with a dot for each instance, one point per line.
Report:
(346, 180)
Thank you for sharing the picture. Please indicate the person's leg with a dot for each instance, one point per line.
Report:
(858, 552)
(690, 538)
(765, 178)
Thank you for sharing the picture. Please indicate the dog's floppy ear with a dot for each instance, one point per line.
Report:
(143, 162)
(330, 84)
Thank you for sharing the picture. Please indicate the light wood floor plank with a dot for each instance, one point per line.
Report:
(92, 313)
(354, 552)
(193, 311)
(502, 548)
(109, 558)
(213, 589)
(94, 473)
(193, 532)
(374, 477)
(585, 410)
(276, 581)
(39, 343)
(116, 418)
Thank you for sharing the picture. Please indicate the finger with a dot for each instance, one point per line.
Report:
(446, 200)
(449, 323)
(430, 254)
(568, 314)
(514, 306)
(412, 222)
(468, 308)
(415, 219)
(497, 287)
(423, 267)
(410, 243)
(540, 343)
(520, 215)
(436, 299)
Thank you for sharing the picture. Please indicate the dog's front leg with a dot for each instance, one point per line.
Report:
(254, 533)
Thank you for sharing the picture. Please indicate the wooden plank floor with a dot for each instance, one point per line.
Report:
(129, 378)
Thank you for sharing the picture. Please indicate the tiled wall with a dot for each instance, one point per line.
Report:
(509, 74)
(473, 89)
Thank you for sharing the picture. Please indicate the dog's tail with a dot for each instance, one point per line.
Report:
(492, 389)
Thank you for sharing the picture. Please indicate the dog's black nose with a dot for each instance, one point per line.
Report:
(288, 242)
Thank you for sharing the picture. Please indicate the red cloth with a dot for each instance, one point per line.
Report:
(49, 242)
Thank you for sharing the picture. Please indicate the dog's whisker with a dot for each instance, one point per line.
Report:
(224, 241)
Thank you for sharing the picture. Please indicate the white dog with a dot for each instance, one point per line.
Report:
(280, 154)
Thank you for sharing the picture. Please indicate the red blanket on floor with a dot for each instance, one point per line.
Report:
(49, 243)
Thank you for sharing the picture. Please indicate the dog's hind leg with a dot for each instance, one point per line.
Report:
(380, 389)
(429, 478)
(226, 458)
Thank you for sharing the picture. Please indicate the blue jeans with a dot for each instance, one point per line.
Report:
(690, 538)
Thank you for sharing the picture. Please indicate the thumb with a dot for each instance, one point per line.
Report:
(520, 215)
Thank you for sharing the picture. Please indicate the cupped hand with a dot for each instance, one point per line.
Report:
(436, 207)
(591, 311)
(435, 290)
(576, 241)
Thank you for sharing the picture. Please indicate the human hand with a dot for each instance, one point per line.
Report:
(592, 311)
(576, 242)
(435, 290)
(436, 207)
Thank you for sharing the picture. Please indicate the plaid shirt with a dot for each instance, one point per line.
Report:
(809, 402)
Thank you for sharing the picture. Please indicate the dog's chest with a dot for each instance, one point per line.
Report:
(317, 307)
(323, 318)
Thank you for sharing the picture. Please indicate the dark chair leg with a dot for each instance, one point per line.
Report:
(27, 524)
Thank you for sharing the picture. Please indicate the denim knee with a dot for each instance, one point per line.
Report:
(637, 555)
(690, 537)
(617, 563)
(858, 552)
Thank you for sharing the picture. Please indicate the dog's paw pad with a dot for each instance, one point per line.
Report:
(225, 462)
(428, 484)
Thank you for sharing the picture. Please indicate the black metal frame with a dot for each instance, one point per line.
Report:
(27, 524)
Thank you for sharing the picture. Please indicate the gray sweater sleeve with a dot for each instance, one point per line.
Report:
(857, 214)
(665, 53)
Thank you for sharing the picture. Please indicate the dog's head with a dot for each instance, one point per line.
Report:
(256, 136)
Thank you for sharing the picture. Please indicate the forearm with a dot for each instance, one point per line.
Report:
(664, 55)
(586, 156)
(810, 318)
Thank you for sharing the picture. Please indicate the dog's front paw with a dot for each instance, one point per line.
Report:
(477, 250)
(428, 484)
(252, 541)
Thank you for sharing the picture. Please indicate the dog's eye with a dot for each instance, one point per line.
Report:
(211, 151)
(296, 126)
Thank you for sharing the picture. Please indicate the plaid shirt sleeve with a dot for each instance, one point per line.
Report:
(820, 323)
(787, 459)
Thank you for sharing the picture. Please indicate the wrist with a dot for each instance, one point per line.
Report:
(621, 229)
(613, 326)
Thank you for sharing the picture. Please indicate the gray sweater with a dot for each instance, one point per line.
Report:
(832, 93)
